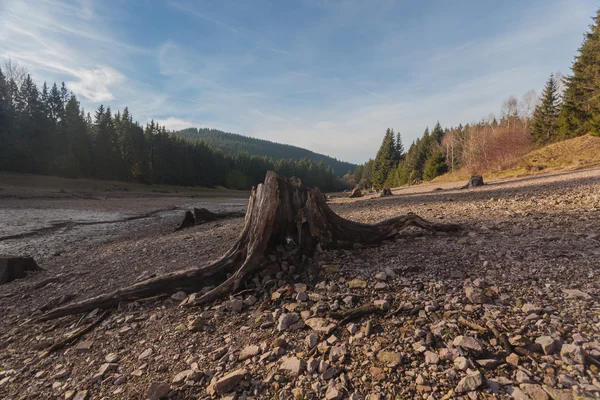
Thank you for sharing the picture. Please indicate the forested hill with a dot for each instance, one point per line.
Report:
(232, 143)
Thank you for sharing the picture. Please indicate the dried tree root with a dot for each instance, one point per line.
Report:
(280, 211)
(76, 335)
(476, 327)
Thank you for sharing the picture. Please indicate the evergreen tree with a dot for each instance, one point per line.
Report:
(384, 161)
(545, 116)
(580, 112)
(399, 153)
(435, 165)
(438, 133)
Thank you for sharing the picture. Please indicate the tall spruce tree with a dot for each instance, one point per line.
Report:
(580, 112)
(399, 149)
(545, 116)
(384, 161)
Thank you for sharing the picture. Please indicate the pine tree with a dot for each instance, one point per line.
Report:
(545, 116)
(438, 133)
(580, 112)
(399, 150)
(384, 161)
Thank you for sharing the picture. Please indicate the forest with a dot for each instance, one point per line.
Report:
(46, 131)
(568, 107)
(233, 143)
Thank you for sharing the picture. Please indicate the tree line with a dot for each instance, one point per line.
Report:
(568, 107)
(46, 131)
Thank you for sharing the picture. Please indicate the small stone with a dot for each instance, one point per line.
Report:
(111, 358)
(357, 284)
(179, 296)
(320, 325)
(235, 305)
(249, 352)
(389, 357)
(529, 308)
(377, 373)
(227, 383)
(383, 305)
(533, 391)
(81, 395)
(572, 354)
(311, 340)
(333, 393)
(469, 383)
(390, 272)
(518, 340)
(461, 363)
(548, 344)
(292, 366)
(250, 300)
(381, 276)
(381, 286)
(576, 294)
(352, 328)
(488, 363)
(513, 359)
(120, 380)
(145, 354)
(469, 344)
(84, 347)
(302, 297)
(158, 390)
(522, 377)
(108, 367)
(312, 365)
(476, 296)
(182, 376)
(331, 269)
(286, 321)
(431, 358)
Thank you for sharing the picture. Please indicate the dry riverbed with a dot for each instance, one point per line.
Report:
(508, 307)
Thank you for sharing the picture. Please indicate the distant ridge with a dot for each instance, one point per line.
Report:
(233, 143)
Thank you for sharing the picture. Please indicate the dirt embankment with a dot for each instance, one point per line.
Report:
(526, 266)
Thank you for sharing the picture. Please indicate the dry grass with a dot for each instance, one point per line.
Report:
(568, 155)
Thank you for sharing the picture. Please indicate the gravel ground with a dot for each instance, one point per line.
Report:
(508, 307)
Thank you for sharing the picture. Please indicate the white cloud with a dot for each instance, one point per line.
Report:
(176, 124)
(94, 84)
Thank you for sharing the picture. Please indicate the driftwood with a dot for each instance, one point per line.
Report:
(202, 216)
(356, 193)
(281, 212)
(15, 267)
(386, 192)
(475, 181)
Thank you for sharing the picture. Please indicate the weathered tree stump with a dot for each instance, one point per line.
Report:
(15, 267)
(188, 221)
(281, 212)
(475, 181)
(202, 215)
(386, 192)
(356, 193)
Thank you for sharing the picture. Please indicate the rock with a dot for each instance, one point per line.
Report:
(292, 366)
(320, 325)
(488, 363)
(533, 391)
(337, 352)
(381, 286)
(572, 354)
(389, 357)
(179, 296)
(331, 269)
(529, 308)
(287, 320)
(145, 354)
(302, 297)
(329, 373)
(518, 341)
(476, 296)
(576, 294)
(461, 363)
(557, 394)
(381, 276)
(352, 328)
(182, 376)
(383, 305)
(548, 344)
(390, 272)
(469, 383)
(196, 324)
(112, 358)
(249, 352)
(250, 300)
(311, 340)
(158, 391)
(108, 367)
(377, 373)
(522, 377)
(312, 365)
(227, 383)
(357, 284)
(235, 305)
(333, 393)
(84, 347)
(469, 344)
(431, 358)
(81, 395)
(513, 359)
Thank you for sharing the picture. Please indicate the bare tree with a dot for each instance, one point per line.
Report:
(527, 104)
(510, 108)
(559, 78)
(13, 71)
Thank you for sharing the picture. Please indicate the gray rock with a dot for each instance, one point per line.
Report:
(227, 383)
(533, 391)
(476, 296)
(469, 344)
(158, 391)
(287, 320)
(469, 383)
(179, 296)
(431, 358)
(292, 366)
(311, 340)
(249, 352)
(548, 344)
(572, 354)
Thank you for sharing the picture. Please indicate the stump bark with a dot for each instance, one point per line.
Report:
(15, 267)
(281, 212)
(475, 181)
(386, 192)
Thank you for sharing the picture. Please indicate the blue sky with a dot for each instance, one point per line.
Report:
(330, 76)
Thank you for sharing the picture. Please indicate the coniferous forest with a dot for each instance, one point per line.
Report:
(46, 131)
(567, 107)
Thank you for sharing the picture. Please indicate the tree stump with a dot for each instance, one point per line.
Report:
(356, 193)
(188, 221)
(202, 215)
(475, 181)
(15, 267)
(281, 213)
(386, 192)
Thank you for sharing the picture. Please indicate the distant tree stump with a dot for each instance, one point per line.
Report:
(356, 193)
(386, 192)
(202, 215)
(475, 181)
(15, 267)
(188, 221)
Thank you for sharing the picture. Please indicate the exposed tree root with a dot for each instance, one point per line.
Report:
(280, 212)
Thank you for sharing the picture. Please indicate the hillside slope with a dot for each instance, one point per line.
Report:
(233, 143)
(576, 153)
